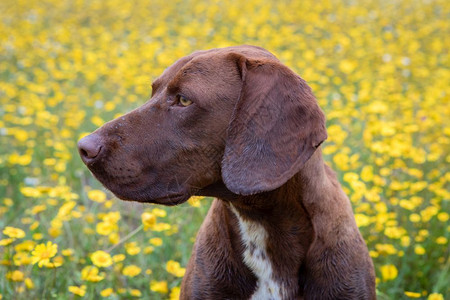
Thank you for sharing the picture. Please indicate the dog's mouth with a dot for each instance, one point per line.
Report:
(146, 193)
(143, 186)
(134, 179)
(169, 200)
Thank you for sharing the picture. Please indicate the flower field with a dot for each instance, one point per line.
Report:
(379, 69)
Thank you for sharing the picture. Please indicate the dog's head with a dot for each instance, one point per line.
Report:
(234, 115)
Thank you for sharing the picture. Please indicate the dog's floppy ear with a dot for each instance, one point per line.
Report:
(275, 128)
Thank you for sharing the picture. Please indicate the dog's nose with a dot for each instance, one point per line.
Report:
(89, 147)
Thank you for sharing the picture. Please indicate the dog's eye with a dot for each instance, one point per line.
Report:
(183, 101)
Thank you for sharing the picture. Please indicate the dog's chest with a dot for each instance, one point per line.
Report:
(254, 238)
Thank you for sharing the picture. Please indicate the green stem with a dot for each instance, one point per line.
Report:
(127, 237)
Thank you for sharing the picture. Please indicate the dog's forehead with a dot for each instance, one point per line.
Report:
(170, 72)
(193, 62)
(209, 59)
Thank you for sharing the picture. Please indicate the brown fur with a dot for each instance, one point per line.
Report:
(252, 139)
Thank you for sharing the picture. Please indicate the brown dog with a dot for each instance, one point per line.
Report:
(236, 124)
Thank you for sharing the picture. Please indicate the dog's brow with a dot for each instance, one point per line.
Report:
(156, 84)
(172, 86)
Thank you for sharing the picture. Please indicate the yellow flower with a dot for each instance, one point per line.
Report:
(96, 120)
(106, 292)
(161, 227)
(405, 241)
(131, 271)
(30, 192)
(362, 220)
(90, 218)
(114, 238)
(97, 196)
(394, 232)
(414, 218)
(78, 290)
(347, 66)
(159, 212)
(29, 283)
(175, 293)
(443, 217)
(442, 240)
(37, 236)
(118, 258)
(148, 219)
(419, 250)
(105, 228)
(174, 268)
(386, 249)
(38, 208)
(6, 242)
(57, 262)
(149, 249)
(413, 294)
(54, 232)
(13, 232)
(435, 296)
(367, 173)
(27, 245)
(428, 213)
(15, 275)
(388, 272)
(67, 252)
(64, 213)
(132, 248)
(101, 259)
(135, 293)
(34, 225)
(27, 221)
(21, 259)
(159, 286)
(195, 201)
(90, 273)
(8, 202)
(112, 217)
(156, 241)
(42, 253)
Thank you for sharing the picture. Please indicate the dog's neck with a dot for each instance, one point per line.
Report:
(273, 222)
(312, 179)
(314, 192)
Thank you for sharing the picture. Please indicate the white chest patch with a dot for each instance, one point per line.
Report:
(254, 238)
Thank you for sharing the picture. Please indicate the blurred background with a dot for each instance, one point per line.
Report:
(379, 69)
